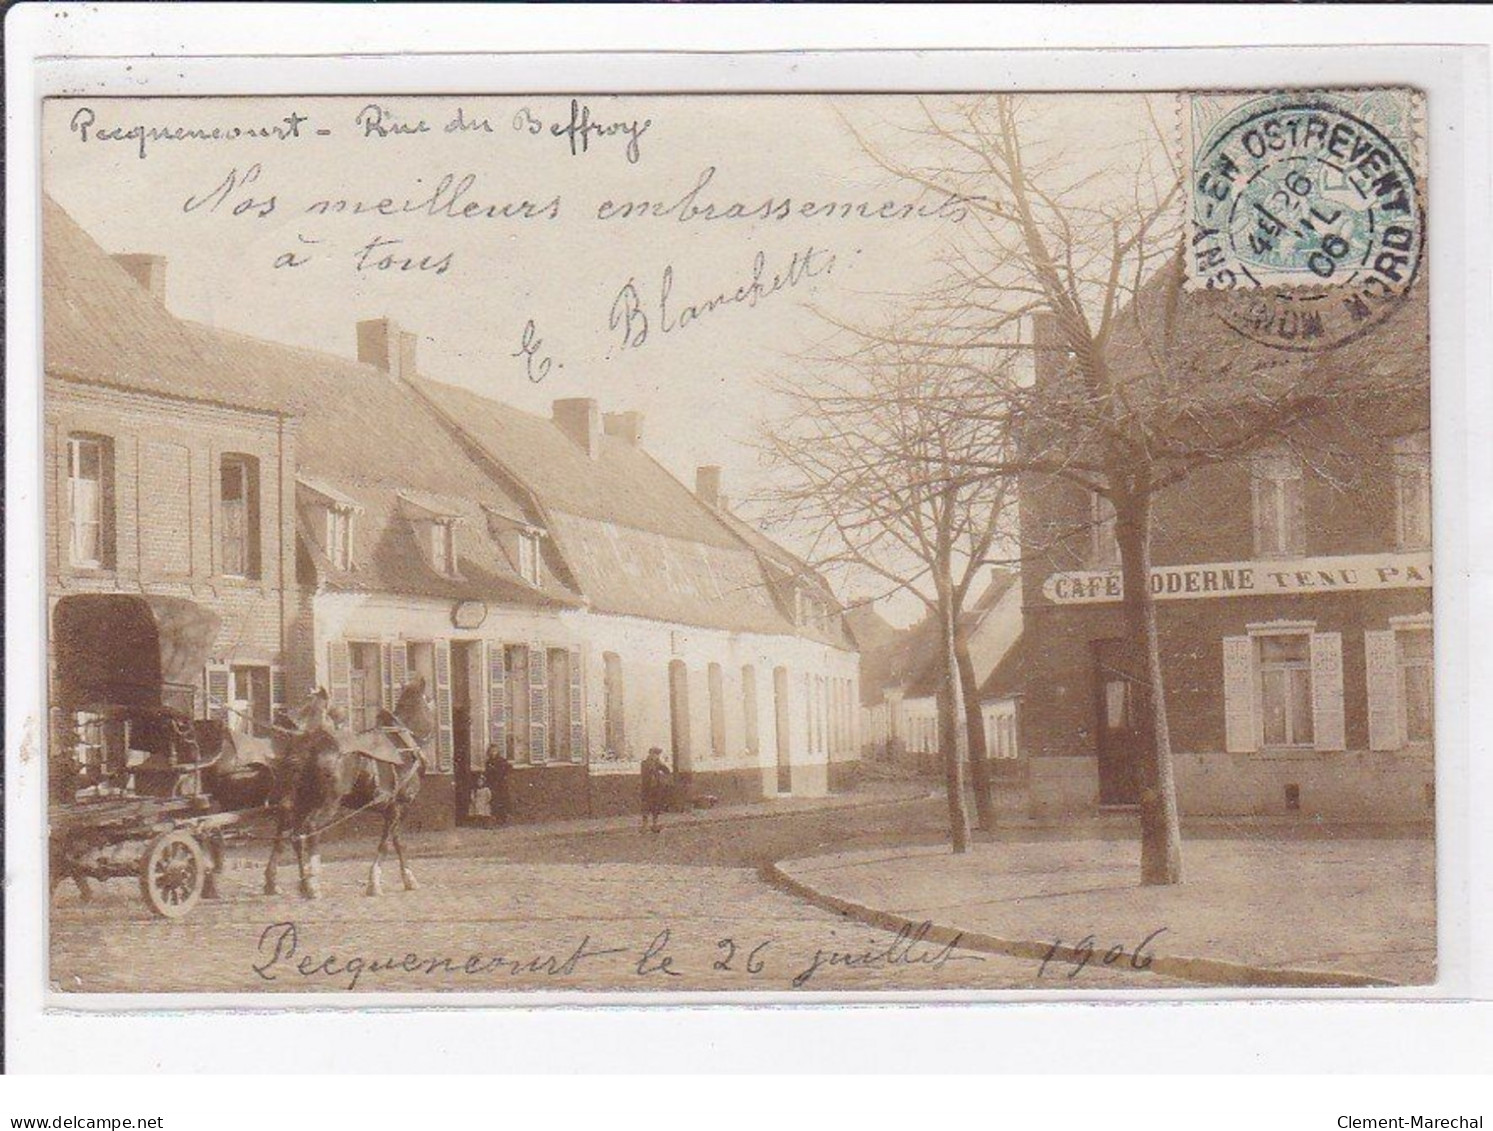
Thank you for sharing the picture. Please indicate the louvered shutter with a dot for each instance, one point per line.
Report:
(399, 667)
(1382, 670)
(1327, 691)
(538, 705)
(445, 742)
(386, 670)
(1239, 694)
(577, 708)
(497, 697)
(339, 676)
(215, 682)
(277, 694)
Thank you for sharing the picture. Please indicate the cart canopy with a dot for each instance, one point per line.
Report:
(126, 649)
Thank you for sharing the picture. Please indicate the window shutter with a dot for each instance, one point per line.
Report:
(277, 694)
(386, 669)
(1239, 694)
(1384, 689)
(1327, 691)
(538, 705)
(215, 678)
(497, 697)
(445, 742)
(577, 709)
(339, 675)
(398, 663)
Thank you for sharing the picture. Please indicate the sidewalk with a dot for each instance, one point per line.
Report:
(866, 794)
(1255, 911)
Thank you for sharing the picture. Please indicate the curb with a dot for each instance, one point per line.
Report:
(1206, 971)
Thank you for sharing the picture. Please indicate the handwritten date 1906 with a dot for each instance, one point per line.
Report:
(1077, 956)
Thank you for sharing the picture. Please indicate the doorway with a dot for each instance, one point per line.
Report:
(464, 743)
(1120, 729)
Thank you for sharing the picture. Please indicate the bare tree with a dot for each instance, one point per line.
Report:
(1146, 386)
(883, 473)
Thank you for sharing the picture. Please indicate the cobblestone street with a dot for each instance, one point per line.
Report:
(683, 910)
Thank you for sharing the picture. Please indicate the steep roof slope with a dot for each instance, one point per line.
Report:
(99, 325)
(641, 543)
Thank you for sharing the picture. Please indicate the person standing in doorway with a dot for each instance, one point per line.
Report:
(496, 772)
(655, 788)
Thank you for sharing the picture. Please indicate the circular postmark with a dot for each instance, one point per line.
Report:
(1307, 219)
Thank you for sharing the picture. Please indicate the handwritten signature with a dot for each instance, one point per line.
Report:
(635, 314)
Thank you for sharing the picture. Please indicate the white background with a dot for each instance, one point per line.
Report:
(1129, 1038)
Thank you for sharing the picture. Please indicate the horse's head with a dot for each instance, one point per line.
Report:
(415, 711)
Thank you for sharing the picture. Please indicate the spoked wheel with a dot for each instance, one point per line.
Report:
(173, 874)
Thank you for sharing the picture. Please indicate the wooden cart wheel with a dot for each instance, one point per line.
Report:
(172, 874)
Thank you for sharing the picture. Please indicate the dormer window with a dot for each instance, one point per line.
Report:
(329, 514)
(339, 543)
(443, 547)
(528, 556)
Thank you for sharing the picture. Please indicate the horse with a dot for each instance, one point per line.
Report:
(326, 769)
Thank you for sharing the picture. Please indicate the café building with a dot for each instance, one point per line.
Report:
(1293, 599)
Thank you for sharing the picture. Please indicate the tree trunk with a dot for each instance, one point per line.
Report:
(1160, 831)
(974, 725)
(951, 732)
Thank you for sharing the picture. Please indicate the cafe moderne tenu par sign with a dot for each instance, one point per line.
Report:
(1249, 579)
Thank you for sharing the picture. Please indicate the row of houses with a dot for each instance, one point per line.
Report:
(1294, 609)
(354, 523)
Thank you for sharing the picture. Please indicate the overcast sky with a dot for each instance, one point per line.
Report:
(565, 270)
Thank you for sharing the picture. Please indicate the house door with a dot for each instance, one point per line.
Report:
(780, 713)
(461, 725)
(1120, 731)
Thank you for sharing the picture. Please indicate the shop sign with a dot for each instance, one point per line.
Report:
(1250, 579)
(469, 614)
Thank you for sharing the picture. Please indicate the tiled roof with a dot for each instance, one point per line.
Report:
(916, 663)
(101, 326)
(641, 543)
(624, 485)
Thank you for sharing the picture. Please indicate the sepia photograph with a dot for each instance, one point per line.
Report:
(786, 543)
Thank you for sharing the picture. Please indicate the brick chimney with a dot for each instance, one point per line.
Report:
(149, 271)
(708, 486)
(383, 345)
(580, 419)
(625, 426)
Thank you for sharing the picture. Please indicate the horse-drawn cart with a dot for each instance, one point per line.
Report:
(129, 756)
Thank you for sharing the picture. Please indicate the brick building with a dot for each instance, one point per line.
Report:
(166, 475)
(1294, 614)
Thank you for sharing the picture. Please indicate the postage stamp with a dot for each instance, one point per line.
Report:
(1308, 206)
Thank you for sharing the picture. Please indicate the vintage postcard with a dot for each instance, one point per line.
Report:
(777, 542)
